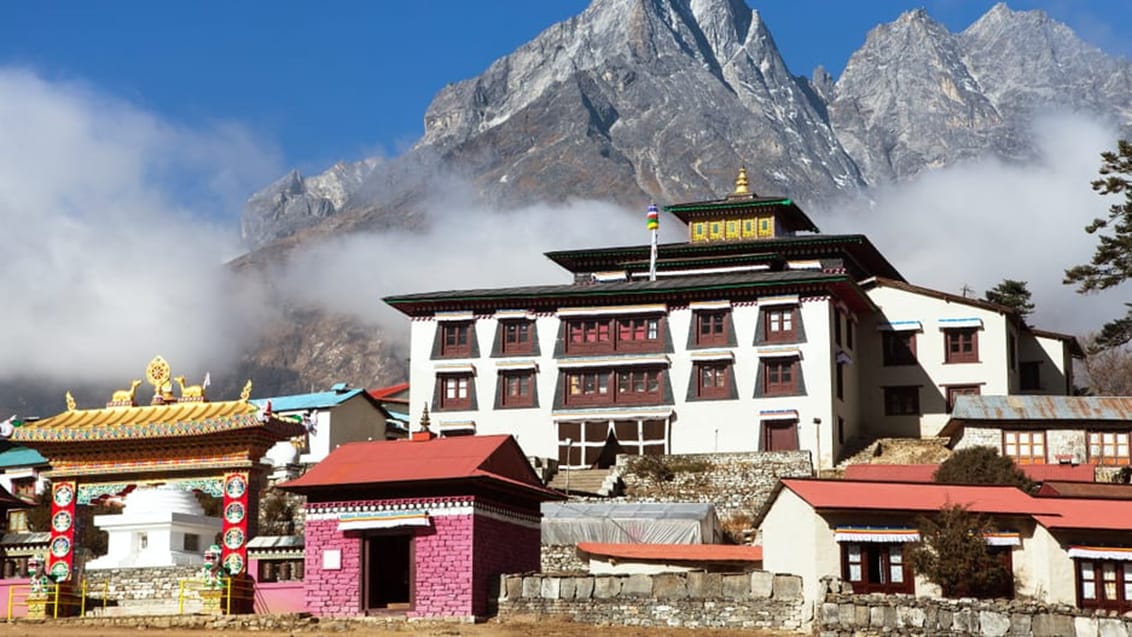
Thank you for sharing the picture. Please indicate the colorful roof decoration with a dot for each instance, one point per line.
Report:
(675, 552)
(398, 462)
(150, 421)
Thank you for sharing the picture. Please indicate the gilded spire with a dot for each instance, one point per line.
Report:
(741, 183)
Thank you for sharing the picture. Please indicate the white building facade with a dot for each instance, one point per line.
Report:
(756, 335)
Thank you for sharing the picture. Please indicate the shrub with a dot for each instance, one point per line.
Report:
(981, 465)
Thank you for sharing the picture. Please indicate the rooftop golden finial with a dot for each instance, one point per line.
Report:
(741, 183)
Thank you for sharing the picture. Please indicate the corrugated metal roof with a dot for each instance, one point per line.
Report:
(276, 541)
(20, 457)
(676, 552)
(1044, 408)
(300, 402)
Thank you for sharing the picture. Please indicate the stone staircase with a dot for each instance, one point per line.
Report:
(599, 482)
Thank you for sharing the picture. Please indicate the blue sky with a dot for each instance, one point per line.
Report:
(342, 80)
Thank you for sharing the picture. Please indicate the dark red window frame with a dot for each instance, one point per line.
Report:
(877, 562)
(518, 336)
(899, 347)
(902, 400)
(780, 376)
(960, 390)
(456, 390)
(711, 327)
(1113, 593)
(713, 379)
(961, 345)
(517, 388)
(606, 335)
(456, 339)
(780, 324)
(606, 386)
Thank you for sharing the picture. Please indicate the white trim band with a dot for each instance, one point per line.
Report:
(382, 520)
(709, 305)
(778, 414)
(453, 316)
(788, 299)
(959, 323)
(608, 361)
(655, 308)
(713, 355)
(780, 352)
(894, 536)
(619, 414)
(501, 315)
(504, 366)
(1100, 553)
(455, 368)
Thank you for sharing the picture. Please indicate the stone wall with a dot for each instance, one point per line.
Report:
(130, 584)
(693, 600)
(562, 558)
(869, 615)
(738, 484)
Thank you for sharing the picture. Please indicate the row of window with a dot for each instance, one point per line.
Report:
(882, 568)
(627, 386)
(960, 345)
(640, 334)
(1104, 447)
(904, 400)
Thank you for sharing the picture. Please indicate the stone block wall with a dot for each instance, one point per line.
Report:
(136, 584)
(693, 600)
(867, 615)
(736, 483)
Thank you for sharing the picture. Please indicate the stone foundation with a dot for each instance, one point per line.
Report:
(868, 615)
(692, 600)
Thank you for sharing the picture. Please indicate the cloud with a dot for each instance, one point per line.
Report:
(467, 247)
(979, 222)
(115, 226)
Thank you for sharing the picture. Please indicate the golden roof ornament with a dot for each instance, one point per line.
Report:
(246, 392)
(742, 186)
(71, 406)
(158, 374)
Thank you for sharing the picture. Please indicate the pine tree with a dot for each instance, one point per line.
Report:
(1112, 262)
(953, 554)
(1012, 294)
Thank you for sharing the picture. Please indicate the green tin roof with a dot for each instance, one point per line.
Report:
(16, 456)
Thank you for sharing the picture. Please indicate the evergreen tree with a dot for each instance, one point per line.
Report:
(981, 465)
(953, 554)
(1112, 262)
(1012, 294)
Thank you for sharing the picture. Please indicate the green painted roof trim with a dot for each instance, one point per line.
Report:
(728, 205)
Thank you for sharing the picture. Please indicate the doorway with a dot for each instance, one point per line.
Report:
(780, 435)
(387, 580)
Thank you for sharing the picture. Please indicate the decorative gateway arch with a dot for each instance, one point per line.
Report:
(182, 441)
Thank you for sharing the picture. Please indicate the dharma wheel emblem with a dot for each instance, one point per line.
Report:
(60, 547)
(234, 512)
(236, 486)
(234, 538)
(64, 495)
(234, 564)
(61, 521)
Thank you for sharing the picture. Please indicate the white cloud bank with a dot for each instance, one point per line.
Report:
(982, 221)
(115, 225)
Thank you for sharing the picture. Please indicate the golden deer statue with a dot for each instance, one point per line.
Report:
(125, 396)
(190, 392)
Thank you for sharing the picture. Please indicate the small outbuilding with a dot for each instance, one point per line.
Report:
(418, 527)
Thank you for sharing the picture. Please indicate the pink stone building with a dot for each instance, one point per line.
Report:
(418, 527)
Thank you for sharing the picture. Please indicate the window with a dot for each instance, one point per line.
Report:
(837, 328)
(1104, 584)
(1011, 351)
(1030, 375)
(712, 329)
(456, 339)
(1025, 447)
(190, 543)
(779, 324)
(597, 443)
(960, 390)
(1109, 447)
(455, 391)
(713, 380)
(876, 567)
(902, 401)
(961, 345)
(517, 389)
(17, 522)
(899, 348)
(24, 488)
(518, 337)
(630, 386)
(850, 327)
(840, 430)
(606, 335)
(840, 373)
(780, 376)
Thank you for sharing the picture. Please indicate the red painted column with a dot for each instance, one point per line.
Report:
(234, 540)
(61, 549)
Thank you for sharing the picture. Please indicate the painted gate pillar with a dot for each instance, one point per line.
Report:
(61, 549)
(237, 515)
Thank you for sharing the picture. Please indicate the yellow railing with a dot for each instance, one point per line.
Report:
(58, 597)
(192, 588)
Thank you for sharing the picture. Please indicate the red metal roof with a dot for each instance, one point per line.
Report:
(907, 496)
(676, 552)
(891, 472)
(386, 392)
(497, 458)
(1087, 513)
(1060, 472)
